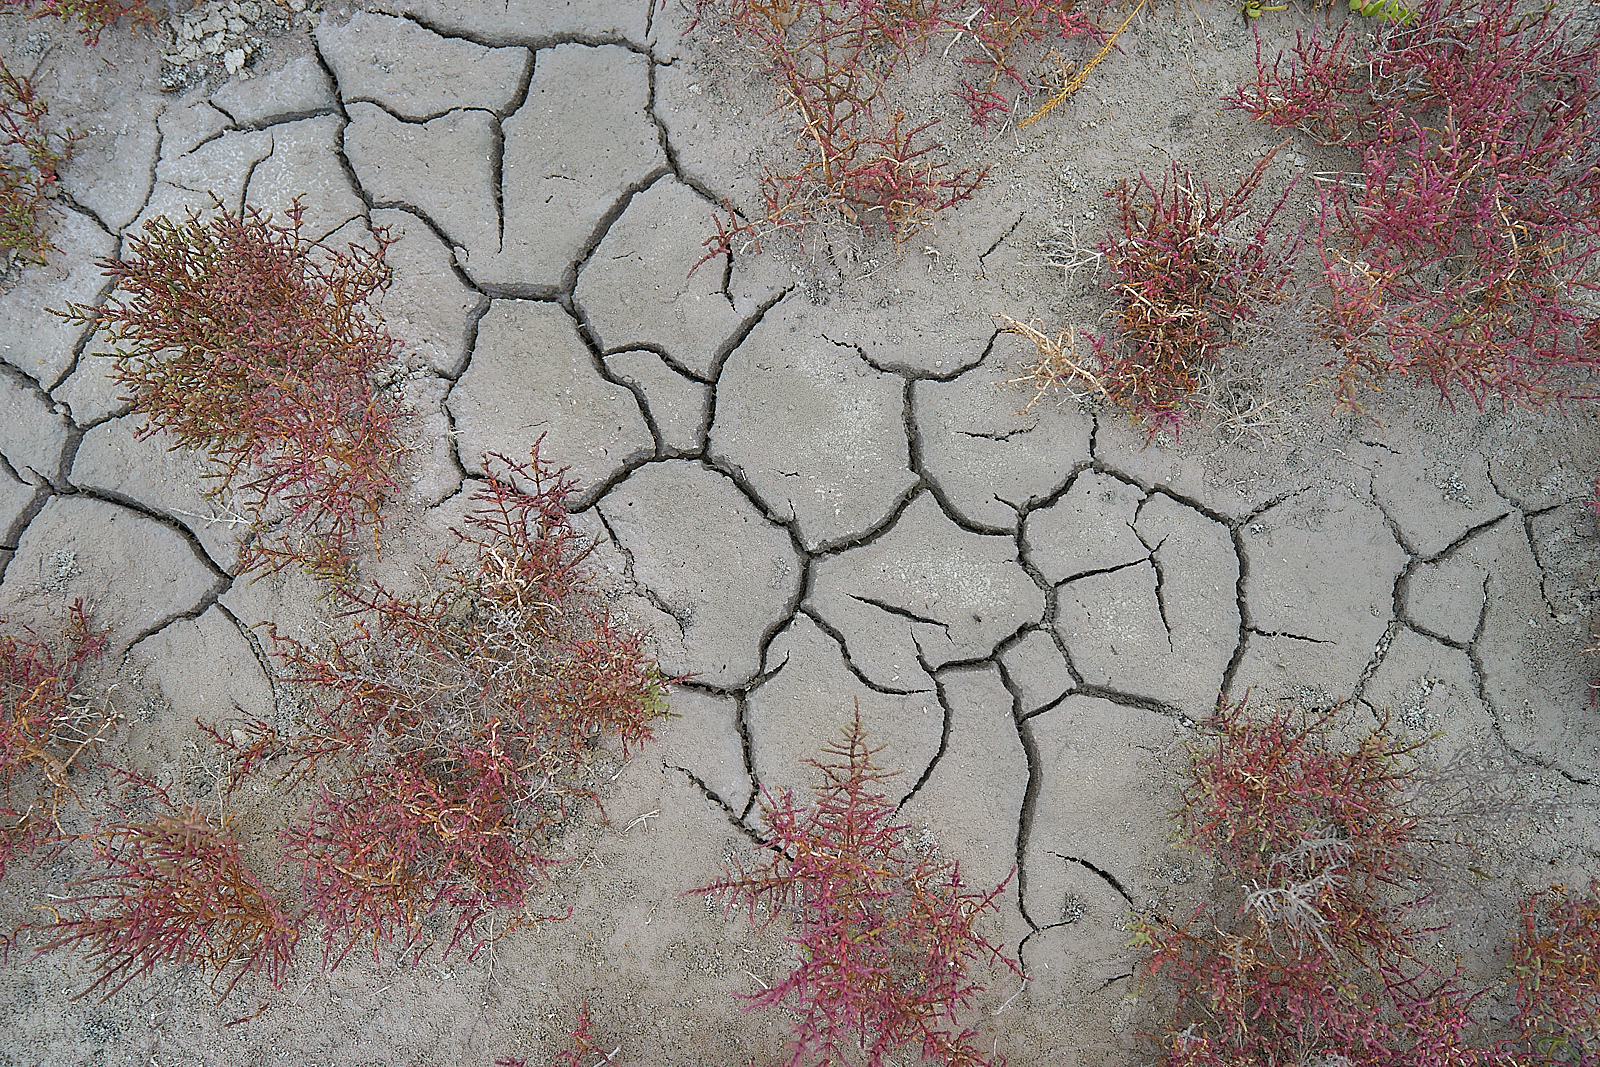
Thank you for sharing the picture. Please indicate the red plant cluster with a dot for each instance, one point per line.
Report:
(31, 158)
(1555, 963)
(93, 16)
(999, 29)
(173, 888)
(450, 734)
(583, 1047)
(244, 338)
(445, 741)
(1316, 958)
(886, 934)
(861, 160)
(48, 728)
(1464, 249)
(1313, 952)
(1183, 273)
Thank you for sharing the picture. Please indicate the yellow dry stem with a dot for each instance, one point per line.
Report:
(1077, 79)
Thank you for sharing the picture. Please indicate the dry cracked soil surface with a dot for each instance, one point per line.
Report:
(816, 482)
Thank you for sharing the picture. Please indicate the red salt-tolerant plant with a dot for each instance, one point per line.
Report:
(243, 338)
(171, 887)
(880, 180)
(887, 934)
(48, 728)
(1261, 785)
(404, 845)
(998, 30)
(1311, 954)
(93, 16)
(450, 735)
(1463, 250)
(1555, 966)
(583, 1052)
(31, 158)
(1187, 265)
(860, 162)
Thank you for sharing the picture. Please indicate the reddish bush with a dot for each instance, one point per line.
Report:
(579, 1055)
(1555, 965)
(31, 158)
(862, 163)
(93, 16)
(172, 888)
(452, 733)
(48, 727)
(998, 29)
(886, 933)
(249, 341)
(1464, 250)
(1313, 959)
(1183, 277)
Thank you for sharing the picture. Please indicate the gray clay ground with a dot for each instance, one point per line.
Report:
(814, 487)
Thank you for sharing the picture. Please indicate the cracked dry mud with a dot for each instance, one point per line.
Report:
(812, 483)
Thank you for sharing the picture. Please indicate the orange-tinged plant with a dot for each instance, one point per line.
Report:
(1317, 958)
(1183, 279)
(1555, 965)
(93, 16)
(31, 158)
(245, 339)
(860, 160)
(1461, 247)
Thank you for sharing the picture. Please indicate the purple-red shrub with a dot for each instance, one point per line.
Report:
(1311, 954)
(31, 158)
(887, 934)
(861, 162)
(1182, 277)
(93, 16)
(1555, 966)
(449, 735)
(580, 1054)
(1462, 250)
(998, 29)
(171, 887)
(48, 728)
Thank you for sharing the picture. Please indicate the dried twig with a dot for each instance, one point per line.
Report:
(1072, 84)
